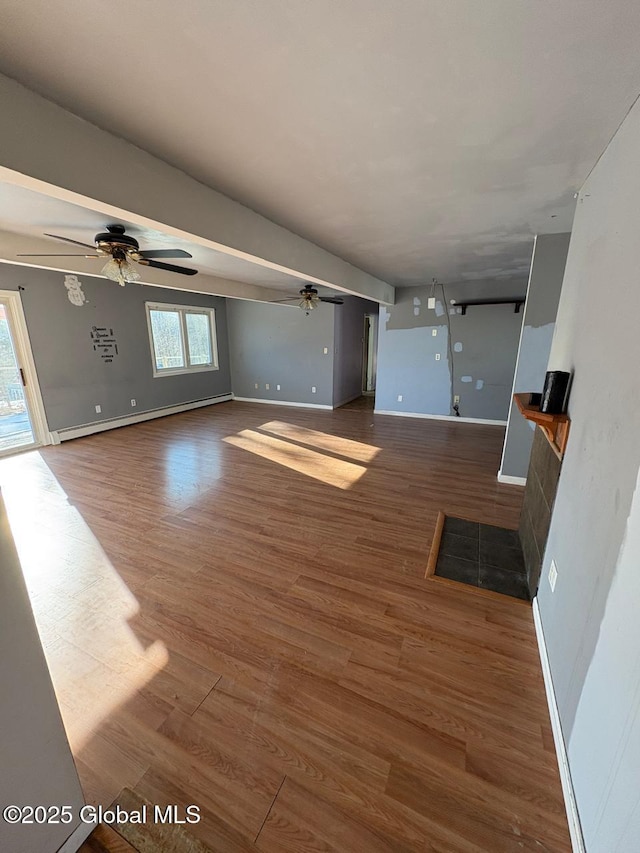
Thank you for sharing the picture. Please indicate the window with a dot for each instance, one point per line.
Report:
(183, 338)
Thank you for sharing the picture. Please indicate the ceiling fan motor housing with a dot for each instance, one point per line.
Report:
(115, 238)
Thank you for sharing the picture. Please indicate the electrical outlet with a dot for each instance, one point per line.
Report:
(399, 398)
(456, 399)
(437, 356)
(434, 332)
(326, 350)
(133, 403)
(98, 409)
(277, 387)
(431, 302)
(313, 389)
(267, 386)
(553, 575)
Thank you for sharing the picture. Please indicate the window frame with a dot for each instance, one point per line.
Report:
(183, 311)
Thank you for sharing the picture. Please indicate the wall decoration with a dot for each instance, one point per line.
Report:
(104, 343)
(74, 290)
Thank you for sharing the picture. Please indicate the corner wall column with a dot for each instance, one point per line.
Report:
(543, 295)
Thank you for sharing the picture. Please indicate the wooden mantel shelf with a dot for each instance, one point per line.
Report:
(555, 427)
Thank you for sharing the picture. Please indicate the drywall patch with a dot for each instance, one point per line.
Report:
(479, 384)
(416, 301)
(416, 311)
(439, 308)
(466, 379)
(384, 315)
(457, 347)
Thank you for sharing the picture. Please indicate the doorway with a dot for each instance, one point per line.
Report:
(22, 422)
(369, 355)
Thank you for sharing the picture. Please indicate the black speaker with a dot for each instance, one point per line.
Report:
(554, 393)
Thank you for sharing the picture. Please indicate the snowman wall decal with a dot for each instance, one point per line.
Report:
(74, 290)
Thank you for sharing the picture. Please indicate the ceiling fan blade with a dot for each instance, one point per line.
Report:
(165, 253)
(69, 240)
(334, 300)
(168, 267)
(56, 255)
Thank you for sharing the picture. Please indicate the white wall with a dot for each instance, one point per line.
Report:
(591, 622)
(36, 767)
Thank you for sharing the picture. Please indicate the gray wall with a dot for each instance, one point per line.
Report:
(543, 295)
(484, 344)
(591, 624)
(74, 379)
(277, 345)
(35, 760)
(349, 348)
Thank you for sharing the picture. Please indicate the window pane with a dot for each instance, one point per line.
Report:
(167, 339)
(199, 338)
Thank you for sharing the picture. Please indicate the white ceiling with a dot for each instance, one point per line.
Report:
(413, 138)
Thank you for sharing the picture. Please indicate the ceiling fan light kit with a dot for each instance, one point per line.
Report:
(309, 303)
(123, 252)
(308, 299)
(120, 269)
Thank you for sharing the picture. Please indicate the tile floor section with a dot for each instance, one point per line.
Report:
(482, 555)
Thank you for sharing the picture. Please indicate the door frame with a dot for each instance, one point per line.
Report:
(24, 356)
(369, 353)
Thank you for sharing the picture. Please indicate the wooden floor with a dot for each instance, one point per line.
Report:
(234, 611)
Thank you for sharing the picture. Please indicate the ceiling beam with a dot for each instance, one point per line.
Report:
(45, 148)
(12, 245)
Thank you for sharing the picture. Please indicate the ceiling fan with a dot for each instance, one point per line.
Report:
(308, 299)
(121, 249)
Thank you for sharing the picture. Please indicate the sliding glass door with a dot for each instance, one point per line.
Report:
(17, 428)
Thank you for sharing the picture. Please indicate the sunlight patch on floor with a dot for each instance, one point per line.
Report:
(326, 469)
(81, 605)
(323, 440)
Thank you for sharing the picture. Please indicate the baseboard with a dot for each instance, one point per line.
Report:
(113, 423)
(573, 818)
(484, 421)
(282, 403)
(514, 481)
(77, 838)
